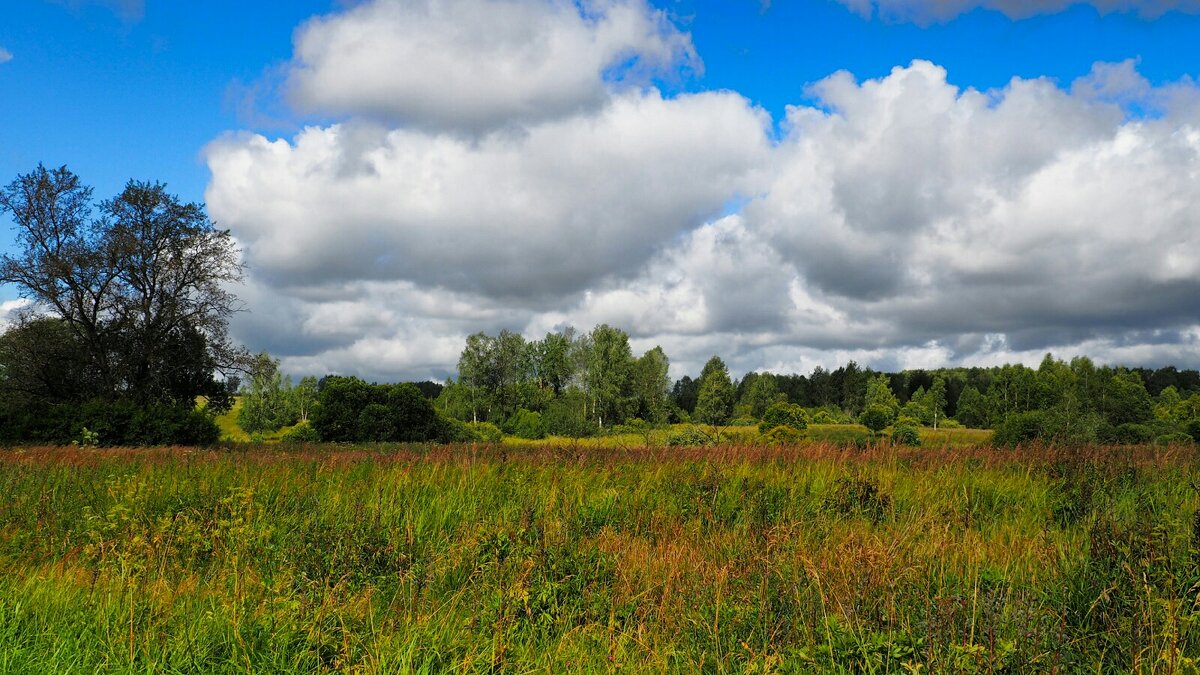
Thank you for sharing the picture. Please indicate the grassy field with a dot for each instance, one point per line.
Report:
(816, 558)
(816, 433)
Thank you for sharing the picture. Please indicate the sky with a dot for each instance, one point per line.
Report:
(786, 183)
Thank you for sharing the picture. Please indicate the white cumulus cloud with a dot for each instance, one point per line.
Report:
(901, 221)
(534, 215)
(474, 65)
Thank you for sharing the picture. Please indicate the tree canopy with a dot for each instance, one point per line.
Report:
(129, 298)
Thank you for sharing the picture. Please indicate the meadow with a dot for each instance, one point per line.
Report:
(820, 557)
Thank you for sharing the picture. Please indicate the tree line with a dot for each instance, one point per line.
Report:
(124, 339)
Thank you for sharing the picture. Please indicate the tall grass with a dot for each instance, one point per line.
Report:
(816, 558)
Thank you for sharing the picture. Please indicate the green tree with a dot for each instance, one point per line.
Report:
(1170, 406)
(972, 408)
(1126, 400)
(651, 386)
(761, 393)
(609, 365)
(879, 392)
(141, 281)
(876, 418)
(935, 399)
(714, 402)
(551, 360)
(267, 403)
(304, 398)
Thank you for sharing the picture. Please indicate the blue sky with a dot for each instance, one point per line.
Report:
(170, 91)
(117, 96)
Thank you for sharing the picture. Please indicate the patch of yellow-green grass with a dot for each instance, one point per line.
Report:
(956, 438)
(231, 432)
(816, 433)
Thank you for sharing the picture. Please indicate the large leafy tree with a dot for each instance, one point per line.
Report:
(651, 386)
(879, 393)
(267, 400)
(139, 282)
(609, 366)
(714, 404)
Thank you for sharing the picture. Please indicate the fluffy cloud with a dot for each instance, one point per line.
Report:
(472, 66)
(1048, 217)
(926, 11)
(900, 221)
(535, 215)
(5, 55)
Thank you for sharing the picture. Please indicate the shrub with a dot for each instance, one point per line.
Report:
(302, 432)
(743, 422)
(783, 435)
(567, 416)
(783, 414)
(1193, 428)
(349, 409)
(858, 497)
(876, 418)
(487, 432)
(826, 417)
(1132, 433)
(949, 423)
(526, 424)
(1019, 428)
(689, 437)
(375, 424)
(906, 434)
(1177, 438)
(127, 423)
(636, 425)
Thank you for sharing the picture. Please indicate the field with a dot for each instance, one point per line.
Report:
(815, 558)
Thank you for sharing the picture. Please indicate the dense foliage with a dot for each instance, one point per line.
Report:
(128, 309)
(348, 409)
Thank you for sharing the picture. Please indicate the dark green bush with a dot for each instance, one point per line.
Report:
(906, 434)
(876, 417)
(113, 423)
(349, 409)
(526, 424)
(1132, 433)
(1177, 438)
(567, 416)
(1019, 428)
(1193, 428)
(783, 414)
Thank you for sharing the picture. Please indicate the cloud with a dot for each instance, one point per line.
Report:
(931, 11)
(1046, 216)
(475, 65)
(900, 221)
(5, 55)
(534, 216)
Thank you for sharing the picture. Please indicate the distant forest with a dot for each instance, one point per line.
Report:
(566, 373)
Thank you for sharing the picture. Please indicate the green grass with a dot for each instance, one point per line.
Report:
(816, 433)
(815, 558)
(232, 433)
